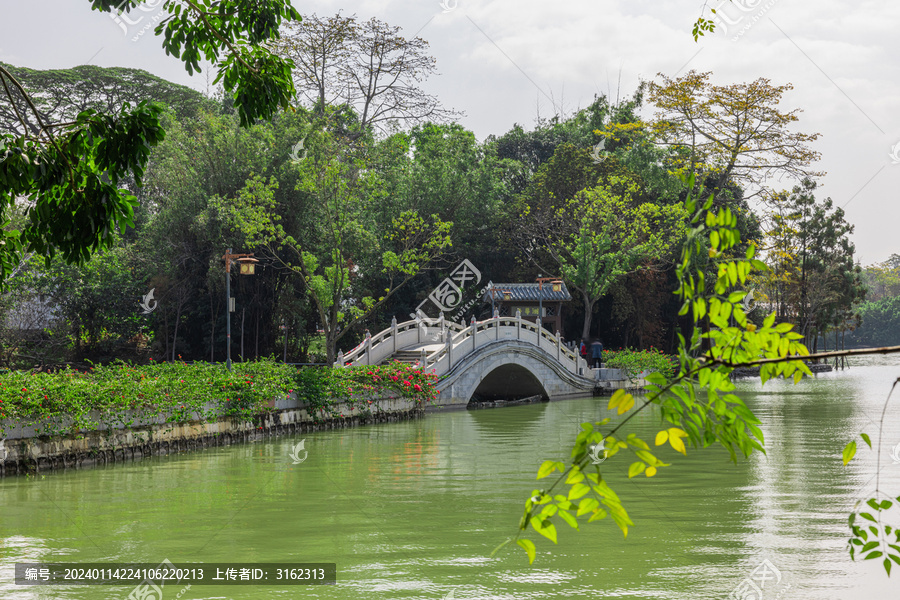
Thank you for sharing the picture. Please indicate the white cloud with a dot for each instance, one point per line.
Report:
(574, 49)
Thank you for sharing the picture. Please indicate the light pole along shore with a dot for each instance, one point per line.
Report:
(248, 267)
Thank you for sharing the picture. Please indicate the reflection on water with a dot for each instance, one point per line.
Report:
(413, 510)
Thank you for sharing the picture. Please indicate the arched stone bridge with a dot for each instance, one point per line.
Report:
(500, 358)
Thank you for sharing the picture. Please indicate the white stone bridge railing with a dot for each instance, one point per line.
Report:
(443, 345)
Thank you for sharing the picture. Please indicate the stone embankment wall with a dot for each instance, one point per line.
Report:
(610, 380)
(22, 451)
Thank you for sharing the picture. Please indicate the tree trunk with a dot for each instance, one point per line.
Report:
(843, 362)
(212, 328)
(835, 347)
(166, 331)
(588, 314)
(175, 334)
(330, 343)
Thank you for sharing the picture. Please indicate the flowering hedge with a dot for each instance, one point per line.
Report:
(73, 402)
(360, 386)
(635, 362)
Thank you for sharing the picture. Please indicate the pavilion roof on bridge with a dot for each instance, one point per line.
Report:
(529, 292)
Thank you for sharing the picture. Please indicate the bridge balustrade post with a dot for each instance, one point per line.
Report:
(539, 329)
(340, 358)
(474, 331)
(423, 359)
(518, 324)
(394, 334)
(558, 347)
(449, 342)
(497, 323)
(368, 342)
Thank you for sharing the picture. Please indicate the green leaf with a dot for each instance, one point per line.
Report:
(616, 398)
(598, 515)
(866, 439)
(849, 452)
(578, 490)
(547, 467)
(675, 435)
(545, 528)
(869, 546)
(587, 505)
(648, 457)
(636, 468)
(528, 545)
(568, 518)
(575, 476)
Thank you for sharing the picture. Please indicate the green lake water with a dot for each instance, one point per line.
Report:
(412, 510)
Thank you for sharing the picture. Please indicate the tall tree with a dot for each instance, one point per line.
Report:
(62, 94)
(734, 133)
(599, 235)
(814, 281)
(348, 265)
(182, 238)
(71, 173)
(367, 65)
(883, 279)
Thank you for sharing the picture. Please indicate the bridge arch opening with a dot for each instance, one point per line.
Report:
(508, 382)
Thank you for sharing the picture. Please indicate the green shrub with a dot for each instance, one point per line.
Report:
(635, 362)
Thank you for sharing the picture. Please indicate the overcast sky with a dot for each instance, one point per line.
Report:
(506, 61)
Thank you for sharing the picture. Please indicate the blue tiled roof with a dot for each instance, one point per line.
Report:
(528, 292)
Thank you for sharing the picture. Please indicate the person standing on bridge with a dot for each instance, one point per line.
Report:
(582, 349)
(597, 353)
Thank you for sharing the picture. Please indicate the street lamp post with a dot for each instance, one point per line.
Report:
(248, 267)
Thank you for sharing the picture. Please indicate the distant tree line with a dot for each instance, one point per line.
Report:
(359, 200)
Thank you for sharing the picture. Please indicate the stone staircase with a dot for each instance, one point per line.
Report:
(405, 356)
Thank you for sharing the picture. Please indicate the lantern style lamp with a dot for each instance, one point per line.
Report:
(247, 265)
